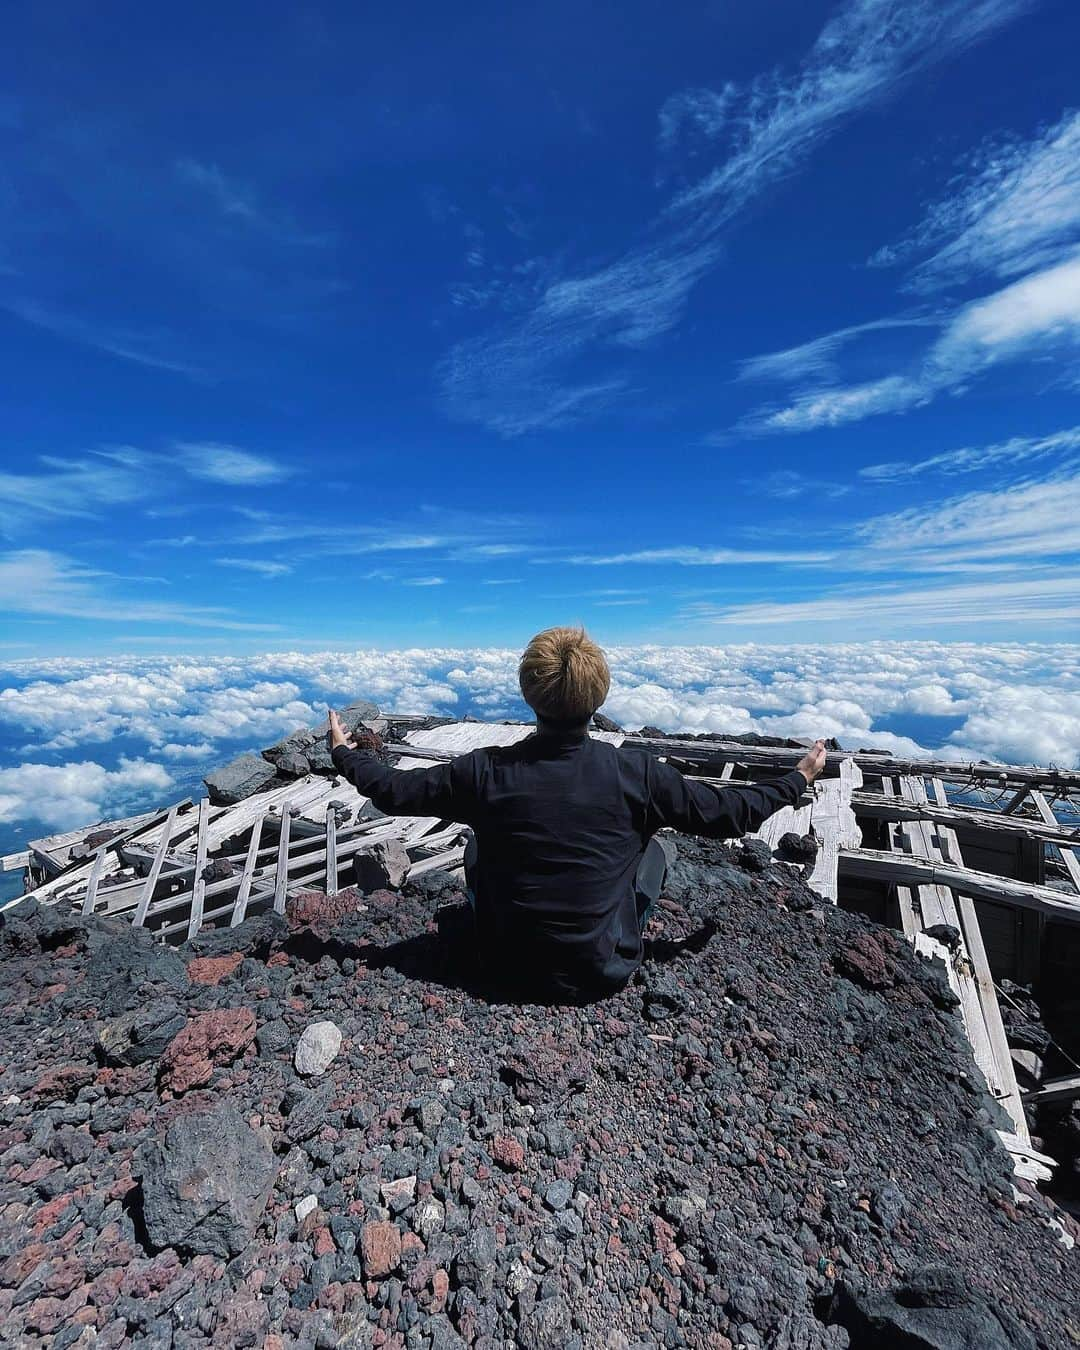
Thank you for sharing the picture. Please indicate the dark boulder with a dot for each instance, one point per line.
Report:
(205, 1186)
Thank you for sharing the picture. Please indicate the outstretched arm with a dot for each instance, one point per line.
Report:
(447, 789)
(727, 812)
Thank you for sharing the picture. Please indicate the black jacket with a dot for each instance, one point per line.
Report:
(561, 821)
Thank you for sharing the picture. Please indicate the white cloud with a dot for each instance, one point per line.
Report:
(1039, 599)
(37, 581)
(229, 464)
(1030, 317)
(1013, 209)
(514, 379)
(65, 796)
(1034, 520)
(423, 581)
(1020, 701)
(816, 359)
(688, 555)
(143, 347)
(260, 565)
(238, 202)
(788, 484)
(970, 459)
(76, 487)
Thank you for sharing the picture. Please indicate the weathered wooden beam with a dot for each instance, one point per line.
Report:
(881, 806)
(1068, 857)
(246, 877)
(96, 869)
(1055, 1090)
(331, 851)
(282, 874)
(783, 757)
(899, 867)
(147, 892)
(198, 889)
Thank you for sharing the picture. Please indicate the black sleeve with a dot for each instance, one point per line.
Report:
(448, 789)
(716, 812)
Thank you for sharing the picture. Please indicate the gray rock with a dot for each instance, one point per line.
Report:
(205, 1186)
(238, 779)
(122, 976)
(294, 765)
(385, 866)
(932, 1309)
(317, 1048)
(138, 1036)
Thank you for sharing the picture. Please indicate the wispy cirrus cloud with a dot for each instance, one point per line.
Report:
(229, 464)
(1036, 315)
(143, 346)
(262, 566)
(517, 378)
(40, 581)
(1013, 208)
(687, 555)
(239, 202)
(816, 359)
(899, 606)
(73, 487)
(972, 458)
(1013, 213)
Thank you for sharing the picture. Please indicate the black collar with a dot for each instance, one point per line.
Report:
(562, 731)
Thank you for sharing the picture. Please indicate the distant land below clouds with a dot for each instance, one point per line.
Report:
(82, 740)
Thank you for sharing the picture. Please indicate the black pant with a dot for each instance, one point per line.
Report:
(648, 880)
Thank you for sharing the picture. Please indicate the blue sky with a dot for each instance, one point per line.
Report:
(325, 327)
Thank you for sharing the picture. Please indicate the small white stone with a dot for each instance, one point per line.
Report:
(317, 1048)
(305, 1206)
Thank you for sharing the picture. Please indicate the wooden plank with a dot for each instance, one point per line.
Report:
(49, 890)
(872, 763)
(880, 806)
(1068, 857)
(331, 851)
(96, 869)
(898, 867)
(11, 862)
(147, 892)
(240, 907)
(1055, 1090)
(282, 874)
(198, 889)
(833, 822)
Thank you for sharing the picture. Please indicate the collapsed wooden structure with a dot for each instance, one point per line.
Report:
(912, 843)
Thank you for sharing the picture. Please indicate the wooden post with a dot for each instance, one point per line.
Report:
(147, 892)
(281, 879)
(240, 908)
(199, 888)
(331, 850)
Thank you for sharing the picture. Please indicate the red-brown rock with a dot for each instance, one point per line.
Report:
(508, 1153)
(213, 969)
(380, 1247)
(209, 1039)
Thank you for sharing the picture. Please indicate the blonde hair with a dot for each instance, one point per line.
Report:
(564, 675)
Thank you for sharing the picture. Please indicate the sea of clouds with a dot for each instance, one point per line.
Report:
(83, 739)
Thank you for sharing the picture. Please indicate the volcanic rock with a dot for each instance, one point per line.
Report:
(209, 1039)
(135, 1037)
(238, 779)
(205, 1186)
(317, 1048)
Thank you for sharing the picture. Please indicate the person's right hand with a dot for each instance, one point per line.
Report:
(813, 761)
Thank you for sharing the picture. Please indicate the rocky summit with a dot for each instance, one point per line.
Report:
(323, 1130)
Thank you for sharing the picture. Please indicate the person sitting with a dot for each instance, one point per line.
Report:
(565, 864)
